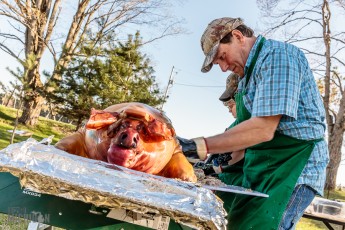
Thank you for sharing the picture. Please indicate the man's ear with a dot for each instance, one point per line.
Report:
(236, 34)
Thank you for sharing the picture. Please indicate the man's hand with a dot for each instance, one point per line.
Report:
(195, 148)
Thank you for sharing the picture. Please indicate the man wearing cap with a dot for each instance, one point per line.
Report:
(228, 99)
(228, 96)
(228, 162)
(281, 125)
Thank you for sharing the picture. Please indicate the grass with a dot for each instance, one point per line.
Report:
(307, 224)
(46, 127)
(337, 195)
(43, 129)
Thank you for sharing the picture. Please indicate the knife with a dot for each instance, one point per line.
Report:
(223, 188)
(235, 189)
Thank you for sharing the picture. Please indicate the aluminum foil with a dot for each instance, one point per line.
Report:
(45, 169)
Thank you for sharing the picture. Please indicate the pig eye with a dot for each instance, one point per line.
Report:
(116, 127)
(140, 127)
(142, 130)
(151, 131)
(125, 124)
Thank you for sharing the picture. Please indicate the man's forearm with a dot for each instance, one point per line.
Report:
(248, 133)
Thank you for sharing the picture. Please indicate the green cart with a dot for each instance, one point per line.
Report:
(57, 211)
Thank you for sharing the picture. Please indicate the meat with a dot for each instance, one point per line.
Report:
(133, 135)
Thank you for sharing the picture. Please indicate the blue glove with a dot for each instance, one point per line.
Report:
(195, 148)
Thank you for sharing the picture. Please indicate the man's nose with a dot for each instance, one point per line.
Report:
(223, 66)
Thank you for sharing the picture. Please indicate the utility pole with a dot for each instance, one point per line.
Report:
(170, 84)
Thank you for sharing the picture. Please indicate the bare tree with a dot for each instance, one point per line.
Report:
(308, 24)
(31, 28)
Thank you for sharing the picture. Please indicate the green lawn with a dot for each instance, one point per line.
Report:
(46, 127)
(306, 224)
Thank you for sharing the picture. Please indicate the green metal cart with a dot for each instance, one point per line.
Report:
(57, 211)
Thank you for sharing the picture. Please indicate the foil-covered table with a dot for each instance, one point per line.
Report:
(45, 169)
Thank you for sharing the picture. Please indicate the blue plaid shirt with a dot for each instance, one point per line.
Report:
(282, 83)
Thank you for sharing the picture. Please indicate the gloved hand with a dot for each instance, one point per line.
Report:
(220, 162)
(215, 164)
(195, 148)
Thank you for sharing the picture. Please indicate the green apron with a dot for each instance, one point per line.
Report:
(271, 167)
(231, 174)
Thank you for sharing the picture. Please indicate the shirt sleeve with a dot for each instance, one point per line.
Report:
(278, 85)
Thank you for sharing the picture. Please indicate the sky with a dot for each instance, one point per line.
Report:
(192, 105)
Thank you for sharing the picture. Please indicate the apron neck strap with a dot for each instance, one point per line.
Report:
(253, 61)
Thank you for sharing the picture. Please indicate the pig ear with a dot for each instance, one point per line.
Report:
(100, 119)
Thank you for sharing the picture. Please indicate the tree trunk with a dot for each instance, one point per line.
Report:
(335, 141)
(35, 44)
(334, 146)
(79, 123)
(9, 98)
(33, 99)
(32, 106)
(335, 136)
(15, 102)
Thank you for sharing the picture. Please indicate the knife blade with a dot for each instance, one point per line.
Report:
(235, 189)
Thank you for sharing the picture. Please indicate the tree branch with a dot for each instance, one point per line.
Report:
(9, 51)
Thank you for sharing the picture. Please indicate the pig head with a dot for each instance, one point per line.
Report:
(132, 135)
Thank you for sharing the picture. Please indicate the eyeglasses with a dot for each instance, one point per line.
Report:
(228, 102)
(231, 100)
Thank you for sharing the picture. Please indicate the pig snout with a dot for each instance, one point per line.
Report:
(128, 138)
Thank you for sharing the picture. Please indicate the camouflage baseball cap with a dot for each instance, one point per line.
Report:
(231, 87)
(215, 31)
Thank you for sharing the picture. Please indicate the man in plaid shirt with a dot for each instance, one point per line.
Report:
(281, 126)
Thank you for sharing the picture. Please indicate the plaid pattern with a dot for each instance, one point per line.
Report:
(282, 83)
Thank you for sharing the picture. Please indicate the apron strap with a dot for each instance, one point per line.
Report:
(253, 62)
